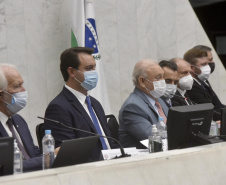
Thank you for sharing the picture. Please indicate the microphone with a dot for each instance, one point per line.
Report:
(216, 112)
(185, 98)
(123, 154)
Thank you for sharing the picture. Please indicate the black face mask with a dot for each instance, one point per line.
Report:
(212, 66)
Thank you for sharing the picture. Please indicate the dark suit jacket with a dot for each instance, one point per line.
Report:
(199, 94)
(136, 118)
(178, 100)
(216, 102)
(67, 109)
(35, 163)
(164, 99)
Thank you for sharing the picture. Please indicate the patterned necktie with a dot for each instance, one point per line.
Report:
(95, 122)
(161, 113)
(10, 125)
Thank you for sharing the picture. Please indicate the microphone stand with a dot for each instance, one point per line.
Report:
(123, 154)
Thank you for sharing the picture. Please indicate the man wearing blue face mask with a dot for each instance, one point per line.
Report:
(199, 61)
(73, 106)
(13, 98)
(144, 106)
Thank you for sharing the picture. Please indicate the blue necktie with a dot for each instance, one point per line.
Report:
(95, 122)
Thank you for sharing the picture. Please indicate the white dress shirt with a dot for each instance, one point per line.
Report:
(82, 99)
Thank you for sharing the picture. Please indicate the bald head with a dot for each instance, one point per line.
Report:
(13, 78)
(183, 67)
(14, 84)
(3, 81)
(142, 68)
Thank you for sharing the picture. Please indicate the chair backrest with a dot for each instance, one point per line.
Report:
(113, 125)
(40, 132)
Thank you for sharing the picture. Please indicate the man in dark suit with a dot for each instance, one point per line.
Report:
(13, 98)
(206, 83)
(73, 106)
(185, 83)
(144, 106)
(209, 56)
(199, 93)
(171, 79)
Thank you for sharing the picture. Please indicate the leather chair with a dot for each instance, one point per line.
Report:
(113, 125)
(40, 132)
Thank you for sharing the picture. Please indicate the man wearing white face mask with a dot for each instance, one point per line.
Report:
(171, 79)
(13, 98)
(73, 106)
(207, 85)
(185, 83)
(144, 105)
(199, 61)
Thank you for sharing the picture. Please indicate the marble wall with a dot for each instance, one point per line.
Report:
(33, 33)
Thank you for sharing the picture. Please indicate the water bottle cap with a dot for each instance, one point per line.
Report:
(154, 129)
(47, 131)
(161, 118)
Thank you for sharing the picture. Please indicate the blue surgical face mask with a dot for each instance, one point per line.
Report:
(18, 102)
(91, 79)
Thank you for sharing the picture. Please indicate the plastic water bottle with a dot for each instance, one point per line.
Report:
(154, 141)
(162, 129)
(18, 165)
(48, 145)
(214, 130)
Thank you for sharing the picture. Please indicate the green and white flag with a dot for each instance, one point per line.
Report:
(84, 34)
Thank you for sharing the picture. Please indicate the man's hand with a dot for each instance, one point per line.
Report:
(56, 150)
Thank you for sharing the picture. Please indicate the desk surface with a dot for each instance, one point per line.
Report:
(198, 165)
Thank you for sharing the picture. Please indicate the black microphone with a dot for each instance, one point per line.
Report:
(121, 148)
(216, 112)
(185, 98)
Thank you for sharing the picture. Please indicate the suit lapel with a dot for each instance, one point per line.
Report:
(3, 131)
(77, 105)
(21, 130)
(204, 90)
(140, 94)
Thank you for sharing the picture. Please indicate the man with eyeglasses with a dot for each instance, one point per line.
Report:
(143, 106)
(201, 70)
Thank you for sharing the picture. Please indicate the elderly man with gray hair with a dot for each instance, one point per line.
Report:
(13, 98)
(144, 105)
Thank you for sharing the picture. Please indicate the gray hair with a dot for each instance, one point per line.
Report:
(3, 80)
(140, 69)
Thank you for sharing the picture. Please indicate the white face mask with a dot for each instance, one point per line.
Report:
(159, 88)
(170, 90)
(18, 102)
(186, 82)
(205, 73)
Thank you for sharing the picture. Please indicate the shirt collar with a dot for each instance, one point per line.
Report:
(3, 118)
(182, 92)
(151, 100)
(81, 97)
(197, 81)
